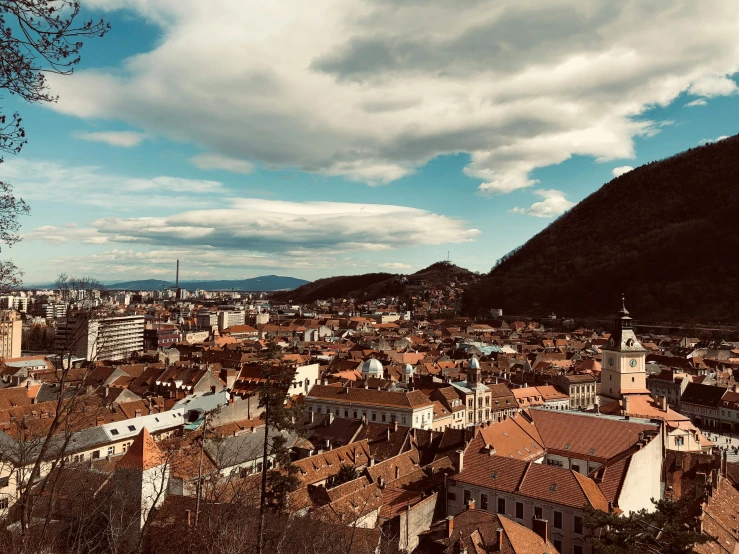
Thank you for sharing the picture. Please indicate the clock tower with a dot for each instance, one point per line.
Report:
(623, 370)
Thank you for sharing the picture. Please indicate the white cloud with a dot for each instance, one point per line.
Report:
(216, 161)
(713, 85)
(394, 265)
(90, 185)
(696, 102)
(373, 89)
(709, 141)
(554, 203)
(124, 139)
(263, 227)
(618, 171)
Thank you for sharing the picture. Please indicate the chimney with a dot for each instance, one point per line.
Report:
(700, 484)
(213, 389)
(364, 420)
(137, 413)
(610, 506)
(459, 461)
(330, 418)
(107, 389)
(395, 426)
(388, 434)
(471, 504)
(397, 472)
(372, 461)
(311, 416)
(626, 405)
(498, 539)
(188, 515)
(327, 444)
(449, 526)
(663, 403)
(541, 528)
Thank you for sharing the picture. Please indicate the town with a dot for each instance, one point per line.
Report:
(139, 420)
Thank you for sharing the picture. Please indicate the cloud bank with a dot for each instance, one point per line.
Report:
(372, 89)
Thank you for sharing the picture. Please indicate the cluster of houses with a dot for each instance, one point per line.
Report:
(429, 436)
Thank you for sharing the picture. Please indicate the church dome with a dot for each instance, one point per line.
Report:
(473, 363)
(372, 367)
(408, 369)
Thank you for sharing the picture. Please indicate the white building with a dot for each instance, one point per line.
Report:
(108, 338)
(411, 409)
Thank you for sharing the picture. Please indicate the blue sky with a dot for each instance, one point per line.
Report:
(350, 137)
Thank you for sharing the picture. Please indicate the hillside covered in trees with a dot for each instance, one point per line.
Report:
(371, 286)
(666, 234)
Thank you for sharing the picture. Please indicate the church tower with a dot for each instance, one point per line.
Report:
(623, 370)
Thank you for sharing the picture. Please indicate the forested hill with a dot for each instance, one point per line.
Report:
(371, 286)
(666, 234)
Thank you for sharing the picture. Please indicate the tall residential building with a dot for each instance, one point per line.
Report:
(10, 334)
(228, 319)
(107, 338)
(54, 310)
(19, 303)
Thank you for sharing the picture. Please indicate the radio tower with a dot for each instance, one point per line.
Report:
(178, 293)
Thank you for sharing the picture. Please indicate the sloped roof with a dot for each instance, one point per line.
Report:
(143, 453)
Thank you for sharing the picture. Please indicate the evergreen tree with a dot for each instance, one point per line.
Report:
(279, 415)
(672, 528)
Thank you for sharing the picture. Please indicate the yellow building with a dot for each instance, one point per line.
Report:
(10, 334)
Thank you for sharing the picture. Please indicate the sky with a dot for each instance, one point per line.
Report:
(337, 137)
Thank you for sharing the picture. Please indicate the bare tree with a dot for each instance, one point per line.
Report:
(38, 37)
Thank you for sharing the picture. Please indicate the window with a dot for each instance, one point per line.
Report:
(483, 501)
(124, 446)
(337, 412)
(346, 413)
(467, 496)
(384, 418)
(131, 427)
(4, 481)
(111, 450)
(577, 520)
(501, 505)
(576, 467)
(374, 417)
(679, 441)
(519, 510)
(355, 415)
(538, 512)
(114, 432)
(3, 503)
(577, 549)
(558, 520)
(451, 496)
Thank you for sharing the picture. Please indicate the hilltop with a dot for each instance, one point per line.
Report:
(666, 234)
(371, 286)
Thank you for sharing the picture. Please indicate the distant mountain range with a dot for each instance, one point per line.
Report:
(666, 234)
(265, 283)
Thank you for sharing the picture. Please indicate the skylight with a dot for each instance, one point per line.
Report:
(114, 431)
(553, 487)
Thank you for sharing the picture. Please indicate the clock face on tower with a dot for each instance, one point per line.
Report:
(632, 363)
(610, 361)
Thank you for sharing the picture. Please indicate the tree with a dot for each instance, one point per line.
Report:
(38, 37)
(672, 528)
(277, 415)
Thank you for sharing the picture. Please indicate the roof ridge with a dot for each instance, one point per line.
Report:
(523, 476)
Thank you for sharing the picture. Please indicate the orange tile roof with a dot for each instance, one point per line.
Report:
(143, 453)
